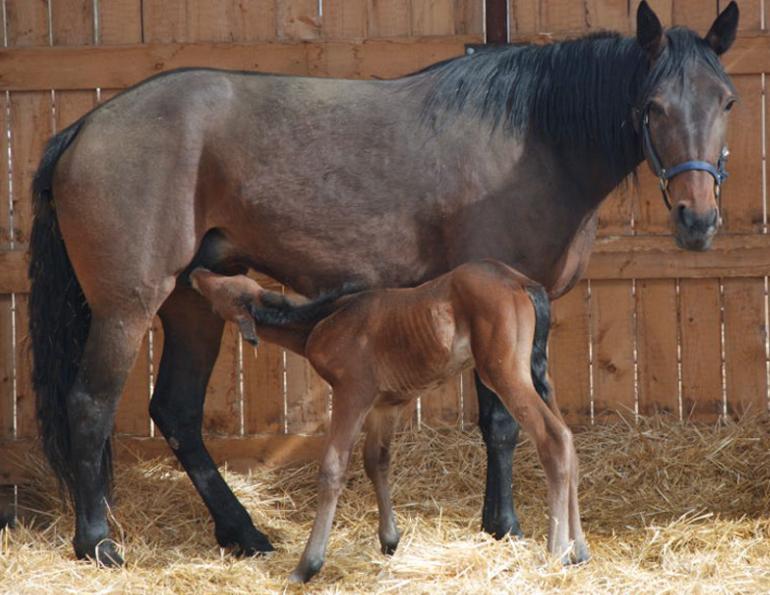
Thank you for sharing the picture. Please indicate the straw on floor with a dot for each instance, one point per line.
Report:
(667, 507)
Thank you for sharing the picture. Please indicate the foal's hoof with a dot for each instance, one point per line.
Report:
(304, 572)
(245, 542)
(388, 544)
(580, 553)
(105, 554)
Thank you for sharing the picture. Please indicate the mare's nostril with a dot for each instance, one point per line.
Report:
(686, 217)
(712, 218)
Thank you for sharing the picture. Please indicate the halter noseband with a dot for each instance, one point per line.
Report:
(718, 172)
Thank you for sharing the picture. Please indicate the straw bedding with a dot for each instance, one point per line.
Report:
(667, 507)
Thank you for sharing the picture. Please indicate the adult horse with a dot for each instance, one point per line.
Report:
(504, 154)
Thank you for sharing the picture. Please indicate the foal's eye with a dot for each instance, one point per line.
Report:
(729, 105)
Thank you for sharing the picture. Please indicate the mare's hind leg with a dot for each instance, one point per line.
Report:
(192, 334)
(501, 433)
(380, 424)
(108, 355)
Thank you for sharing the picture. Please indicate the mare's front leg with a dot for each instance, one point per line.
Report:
(349, 409)
(192, 335)
(379, 430)
(501, 433)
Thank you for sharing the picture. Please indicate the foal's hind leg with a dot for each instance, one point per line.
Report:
(192, 334)
(581, 553)
(109, 354)
(501, 433)
(379, 431)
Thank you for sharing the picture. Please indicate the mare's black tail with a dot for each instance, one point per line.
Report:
(542, 305)
(59, 317)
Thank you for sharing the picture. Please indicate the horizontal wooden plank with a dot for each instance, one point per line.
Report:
(750, 54)
(614, 257)
(658, 257)
(117, 67)
(240, 454)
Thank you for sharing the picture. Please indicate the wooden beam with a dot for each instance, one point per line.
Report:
(618, 257)
(658, 257)
(240, 454)
(117, 67)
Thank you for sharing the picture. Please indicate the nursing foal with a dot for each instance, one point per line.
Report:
(380, 349)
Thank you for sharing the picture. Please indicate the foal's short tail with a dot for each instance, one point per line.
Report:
(539, 365)
(59, 315)
(278, 310)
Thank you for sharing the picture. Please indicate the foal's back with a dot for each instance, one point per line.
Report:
(410, 339)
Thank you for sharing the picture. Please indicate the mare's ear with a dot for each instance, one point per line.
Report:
(722, 33)
(649, 31)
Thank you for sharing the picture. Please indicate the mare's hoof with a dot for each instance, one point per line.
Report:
(501, 527)
(245, 542)
(105, 554)
(388, 548)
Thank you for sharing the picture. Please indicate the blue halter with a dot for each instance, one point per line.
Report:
(718, 171)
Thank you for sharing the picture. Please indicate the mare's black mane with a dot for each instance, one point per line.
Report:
(574, 94)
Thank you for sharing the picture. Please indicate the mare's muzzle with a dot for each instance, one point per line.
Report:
(717, 171)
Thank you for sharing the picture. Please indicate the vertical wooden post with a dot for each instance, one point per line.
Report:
(497, 21)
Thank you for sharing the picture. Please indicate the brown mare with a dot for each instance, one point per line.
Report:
(503, 154)
(379, 349)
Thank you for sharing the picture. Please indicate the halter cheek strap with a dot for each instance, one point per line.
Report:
(718, 171)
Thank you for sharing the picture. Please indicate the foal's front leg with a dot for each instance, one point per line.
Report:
(348, 413)
(379, 430)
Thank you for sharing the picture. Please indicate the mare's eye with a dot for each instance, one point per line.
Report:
(657, 109)
(729, 105)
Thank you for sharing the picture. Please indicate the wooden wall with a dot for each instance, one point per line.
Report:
(651, 329)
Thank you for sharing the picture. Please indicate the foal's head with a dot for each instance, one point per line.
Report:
(682, 119)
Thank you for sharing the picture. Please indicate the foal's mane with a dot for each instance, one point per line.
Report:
(575, 94)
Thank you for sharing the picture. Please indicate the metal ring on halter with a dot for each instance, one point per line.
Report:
(718, 171)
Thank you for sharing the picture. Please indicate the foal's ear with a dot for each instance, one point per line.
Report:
(649, 31)
(722, 33)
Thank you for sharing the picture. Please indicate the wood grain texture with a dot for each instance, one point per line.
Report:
(298, 19)
(745, 334)
(568, 354)
(263, 389)
(525, 17)
(441, 406)
(656, 327)
(433, 17)
(120, 22)
(612, 335)
(609, 15)
(742, 200)
(697, 15)
(344, 20)
(389, 18)
(699, 303)
(564, 15)
(307, 398)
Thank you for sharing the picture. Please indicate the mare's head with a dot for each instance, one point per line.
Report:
(682, 119)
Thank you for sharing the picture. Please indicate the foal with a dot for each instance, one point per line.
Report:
(380, 349)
